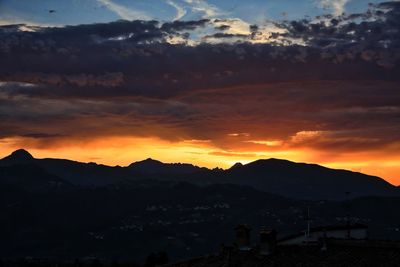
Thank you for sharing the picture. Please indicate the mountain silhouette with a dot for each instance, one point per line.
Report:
(309, 181)
(151, 166)
(18, 156)
(283, 177)
(29, 177)
(77, 173)
(236, 165)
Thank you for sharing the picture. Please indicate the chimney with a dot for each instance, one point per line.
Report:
(243, 237)
(267, 241)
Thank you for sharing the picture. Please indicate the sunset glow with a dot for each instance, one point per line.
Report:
(125, 150)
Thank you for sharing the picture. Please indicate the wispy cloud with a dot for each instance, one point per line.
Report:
(125, 12)
(8, 20)
(180, 11)
(201, 6)
(337, 6)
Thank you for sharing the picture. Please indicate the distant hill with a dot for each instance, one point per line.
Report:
(286, 178)
(78, 173)
(29, 178)
(151, 166)
(310, 181)
(16, 157)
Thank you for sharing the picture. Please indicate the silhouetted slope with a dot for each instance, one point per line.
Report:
(124, 212)
(130, 221)
(92, 174)
(85, 174)
(236, 165)
(310, 181)
(29, 177)
(17, 157)
(296, 180)
(151, 166)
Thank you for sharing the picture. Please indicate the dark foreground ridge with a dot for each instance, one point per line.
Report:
(57, 210)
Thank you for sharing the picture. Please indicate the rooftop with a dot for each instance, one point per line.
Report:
(336, 254)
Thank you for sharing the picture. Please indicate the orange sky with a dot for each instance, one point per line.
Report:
(299, 121)
(125, 150)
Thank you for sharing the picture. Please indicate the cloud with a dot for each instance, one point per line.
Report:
(180, 11)
(375, 29)
(78, 80)
(126, 78)
(27, 24)
(124, 12)
(42, 135)
(233, 154)
(339, 116)
(336, 6)
(207, 10)
(179, 26)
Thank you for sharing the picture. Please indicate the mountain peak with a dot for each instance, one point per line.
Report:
(236, 165)
(17, 157)
(149, 162)
(20, 154)
(273, 161)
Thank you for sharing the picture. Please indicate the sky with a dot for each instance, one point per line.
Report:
(74, 12)
(205, 82)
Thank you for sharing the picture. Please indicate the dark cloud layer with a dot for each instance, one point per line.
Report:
(328, 83)
(376, 29)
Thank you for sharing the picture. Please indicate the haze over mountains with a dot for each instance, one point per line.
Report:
(282, 177)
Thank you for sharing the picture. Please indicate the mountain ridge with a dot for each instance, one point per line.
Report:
(148, 160)
(278, 176)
